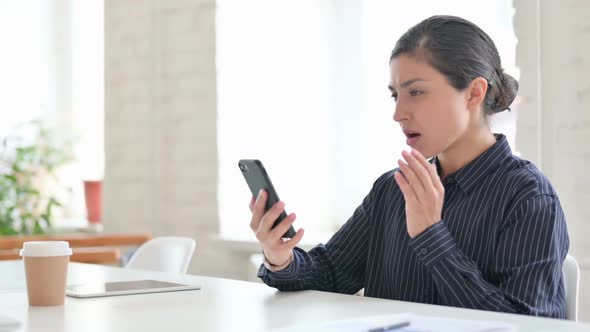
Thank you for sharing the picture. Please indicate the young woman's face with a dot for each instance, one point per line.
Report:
(432, 114)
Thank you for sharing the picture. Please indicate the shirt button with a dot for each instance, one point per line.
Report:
(423, 251)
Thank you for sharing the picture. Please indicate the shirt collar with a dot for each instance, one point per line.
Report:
(468, 176)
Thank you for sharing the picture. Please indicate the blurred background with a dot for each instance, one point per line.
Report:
(156, 101)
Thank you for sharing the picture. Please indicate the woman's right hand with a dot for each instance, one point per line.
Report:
(276, 249)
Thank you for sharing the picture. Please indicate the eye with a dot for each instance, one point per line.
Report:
(414, 93)
(394, 96)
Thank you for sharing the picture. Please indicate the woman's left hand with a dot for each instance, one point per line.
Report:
(423, 192)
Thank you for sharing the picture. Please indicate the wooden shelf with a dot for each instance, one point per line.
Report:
(87, 248)
(77, 240)
(80, 255)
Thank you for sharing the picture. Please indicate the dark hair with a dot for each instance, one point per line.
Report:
(461, 51)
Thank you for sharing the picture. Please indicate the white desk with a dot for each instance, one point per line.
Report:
(221, 305)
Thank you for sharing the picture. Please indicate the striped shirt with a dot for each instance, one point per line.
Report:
(500, 245)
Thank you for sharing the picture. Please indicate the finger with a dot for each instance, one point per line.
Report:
(421, 172)
(430, 168)
(258, 210)
(283, 226)
(434, 174)
(292, 243)
(269, 217)
(251, 205)
(411, 178)
(404, 186)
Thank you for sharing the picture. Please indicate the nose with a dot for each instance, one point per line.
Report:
(399, 114)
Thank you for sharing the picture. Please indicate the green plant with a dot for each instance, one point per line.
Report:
(29, 158)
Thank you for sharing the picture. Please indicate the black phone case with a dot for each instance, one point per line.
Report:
(258, 179)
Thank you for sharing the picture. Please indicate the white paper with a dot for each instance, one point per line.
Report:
(417, 324)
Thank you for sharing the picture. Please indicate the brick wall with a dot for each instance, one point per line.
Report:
(160, 125)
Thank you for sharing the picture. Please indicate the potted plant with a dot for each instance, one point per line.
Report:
(29, 159)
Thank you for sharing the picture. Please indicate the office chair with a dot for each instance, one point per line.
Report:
(166, 254)
(571, 277)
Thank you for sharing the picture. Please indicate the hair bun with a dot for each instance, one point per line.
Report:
(506, 94)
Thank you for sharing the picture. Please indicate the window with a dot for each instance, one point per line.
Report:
(302, 86)
(52, 69)
(26, 65)
(87, 35)
(87, 96)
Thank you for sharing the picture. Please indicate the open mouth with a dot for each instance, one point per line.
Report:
(411, 137)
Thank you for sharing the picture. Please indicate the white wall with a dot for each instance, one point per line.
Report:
(553, 122)
(160, 120)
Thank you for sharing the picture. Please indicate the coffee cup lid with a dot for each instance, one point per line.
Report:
(45, 248)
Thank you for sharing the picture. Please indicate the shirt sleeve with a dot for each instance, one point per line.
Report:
(530, 252)
(338, 266)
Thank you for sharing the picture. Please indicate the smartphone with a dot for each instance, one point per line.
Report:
(258, 179)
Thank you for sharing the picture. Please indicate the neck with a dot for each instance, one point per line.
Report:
(464, 150)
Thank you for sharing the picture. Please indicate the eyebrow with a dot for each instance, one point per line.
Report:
(407, 83)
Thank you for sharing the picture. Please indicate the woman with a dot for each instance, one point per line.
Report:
(474, 227)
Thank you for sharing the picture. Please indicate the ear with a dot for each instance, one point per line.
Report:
(476, 93)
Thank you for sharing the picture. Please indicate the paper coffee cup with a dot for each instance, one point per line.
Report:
(46, 269)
